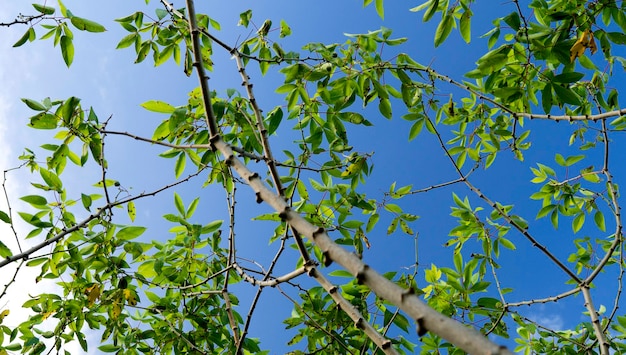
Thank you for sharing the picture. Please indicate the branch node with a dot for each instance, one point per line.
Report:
(284, 215)
(359, 323)
(332, 290)
(386, 344)
(312, 272)
(317, 232)
(421, 329)
(360, 275)
(408, 292)
(212, 141)
(253, 176)
(259, 199)
(230, 160)
(326, 258)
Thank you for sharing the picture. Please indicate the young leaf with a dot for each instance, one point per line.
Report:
(380, 10)
(443, 29)
(158, 106)
(465, 26)
(28, 36)
(598, 217)
(178, 202)
(86, 25)
(67, 50)
(128, 233)
(180, 165)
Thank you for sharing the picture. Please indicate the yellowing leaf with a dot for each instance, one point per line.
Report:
(585, 41)
(47, 314)
(129, 295)
(3, 314)
(132, 212)
(115, 312)
(354, 168)
(93, 293)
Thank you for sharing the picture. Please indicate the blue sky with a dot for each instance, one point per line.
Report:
(107, 80)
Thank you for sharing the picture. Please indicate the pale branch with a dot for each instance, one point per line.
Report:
(595, 321)
(65, 231)
(596, 117)
(231, 317)
(266, 278)
(427, 318)
(542, 300)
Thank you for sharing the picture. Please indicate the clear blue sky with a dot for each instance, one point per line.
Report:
(108, 80)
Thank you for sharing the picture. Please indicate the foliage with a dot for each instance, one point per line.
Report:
(181, 293)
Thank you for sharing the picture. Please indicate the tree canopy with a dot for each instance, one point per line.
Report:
(444, 182)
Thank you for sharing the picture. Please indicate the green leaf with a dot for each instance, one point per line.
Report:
(506, 243)
(178, 202)
(212, 227)
(384, 106)
(127, 40)
(86, 200)
(416, 128)
(244, 18)
(158, 106)
(567, 78)
(86, 25)
(51, 179)
(434, 5)
(63, 9)
(380, 10)
(401, 321)
(578, 222)
(285, 30)
(109, 348)
(179, 168)
(128, 233)
(566, 95)
(34, 200)
(28, 36)
(598, 217)
(371, 222)
(443, 29)
(465, 26)
(4, 217)
(5, 252)
(46, 10)
(34, 105)
(67, 50)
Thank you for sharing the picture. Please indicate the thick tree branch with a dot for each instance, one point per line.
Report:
(427, 318)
